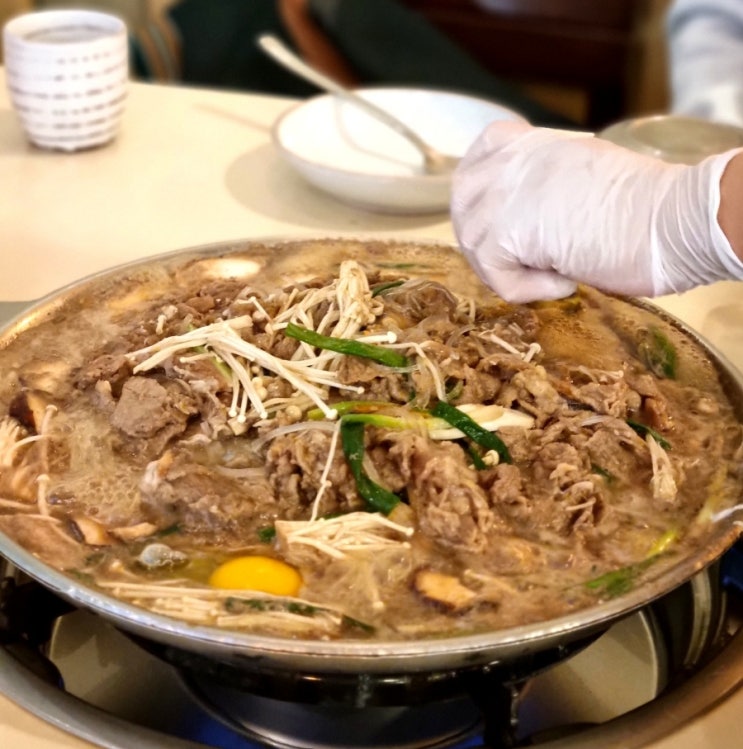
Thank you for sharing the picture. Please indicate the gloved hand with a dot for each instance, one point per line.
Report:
(537, 210)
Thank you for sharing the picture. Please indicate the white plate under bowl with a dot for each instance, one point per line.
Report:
(342, 150)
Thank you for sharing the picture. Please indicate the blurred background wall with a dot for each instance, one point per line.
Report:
(639, 78)
(591, 60)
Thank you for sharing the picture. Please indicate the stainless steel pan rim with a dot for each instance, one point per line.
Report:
(456, 651)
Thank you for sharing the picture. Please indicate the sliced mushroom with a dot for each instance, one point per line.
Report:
(444, 590)
(90, 531)
(133, 532)
(28, 408)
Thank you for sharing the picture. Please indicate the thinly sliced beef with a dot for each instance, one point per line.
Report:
(610, 454)
(415, 301)
(149, 411)
(479, 386)
(613, 399)
(294, 467)
(199, 500)
(555, 493)
(450, 505)
(560, 462)
(534, 392)
(111, 368)
(374, 379)
(655, 407)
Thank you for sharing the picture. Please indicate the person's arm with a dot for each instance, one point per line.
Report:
(536, 210)
(312, 42)
(730, 215)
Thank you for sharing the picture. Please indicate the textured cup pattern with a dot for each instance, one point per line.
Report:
(67, 75)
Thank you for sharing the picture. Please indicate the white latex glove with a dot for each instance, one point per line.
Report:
(537, 210)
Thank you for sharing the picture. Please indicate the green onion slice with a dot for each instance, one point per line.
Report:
(382, 287)
(643, 430)
(348, 346)
(617, 582)
(351, 407)
(472, 429)
(620, 581)
(352, 440)
(267, 534)
(658, 353)
(384, 421)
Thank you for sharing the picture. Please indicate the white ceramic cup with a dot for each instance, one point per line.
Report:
(67, 75)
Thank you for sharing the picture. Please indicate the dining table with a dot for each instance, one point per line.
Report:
(193, 166)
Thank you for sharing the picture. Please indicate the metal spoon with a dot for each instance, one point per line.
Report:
(434, 162)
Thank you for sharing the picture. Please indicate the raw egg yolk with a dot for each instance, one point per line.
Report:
(259, 573)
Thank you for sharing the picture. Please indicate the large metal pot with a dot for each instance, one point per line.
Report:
(254, 652)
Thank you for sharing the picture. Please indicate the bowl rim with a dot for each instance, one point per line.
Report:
(17, 29)
(421, 178)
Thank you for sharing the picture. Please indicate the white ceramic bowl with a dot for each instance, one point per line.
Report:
(67, 74)
(342, 150)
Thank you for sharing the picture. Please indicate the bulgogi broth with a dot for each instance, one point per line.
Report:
(163, 423)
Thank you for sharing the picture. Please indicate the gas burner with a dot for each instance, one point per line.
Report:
(486, 705)
(448, 723)
(357, 690)
(77, 670)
